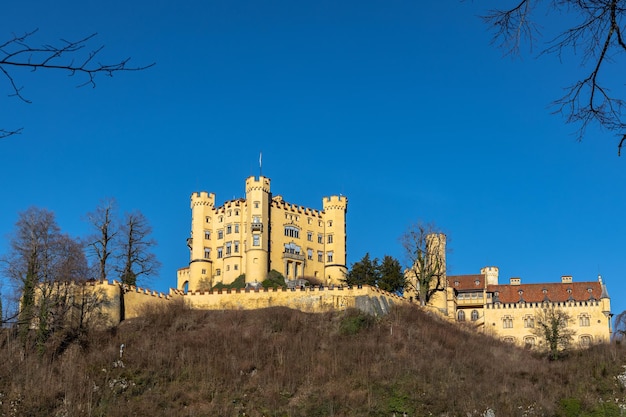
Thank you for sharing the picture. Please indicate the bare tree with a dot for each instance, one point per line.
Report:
(552, 325)
(620, 326)
(598, 35)
(134, 256)
(425, 248)
(100, 244)
(71, 57)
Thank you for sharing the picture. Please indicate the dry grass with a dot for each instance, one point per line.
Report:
(280, 362)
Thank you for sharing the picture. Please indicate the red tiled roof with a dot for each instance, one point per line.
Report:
(554, 292)
(466, 282)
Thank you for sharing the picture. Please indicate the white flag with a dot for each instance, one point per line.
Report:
(260, 159)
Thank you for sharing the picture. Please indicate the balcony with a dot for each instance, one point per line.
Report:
(295, 256)
(256, 227)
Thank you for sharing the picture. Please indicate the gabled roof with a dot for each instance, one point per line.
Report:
(553, 292)
(466, 282)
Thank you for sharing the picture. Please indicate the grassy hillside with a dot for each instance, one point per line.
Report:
(280, 362)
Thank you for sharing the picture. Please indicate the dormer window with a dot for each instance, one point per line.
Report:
(477, 282)
(456, 283)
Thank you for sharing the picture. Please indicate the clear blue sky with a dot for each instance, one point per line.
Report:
(404, 107)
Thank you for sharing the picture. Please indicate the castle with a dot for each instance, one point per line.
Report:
(253, 235)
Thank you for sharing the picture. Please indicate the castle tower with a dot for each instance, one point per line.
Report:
(200, 266)
(436, 252)
(491, 275)
(257, 217)
(335, 209)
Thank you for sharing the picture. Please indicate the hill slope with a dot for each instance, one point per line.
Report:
(280, 362)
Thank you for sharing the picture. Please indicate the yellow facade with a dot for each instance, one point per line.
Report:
(509, 311)
(253, 235)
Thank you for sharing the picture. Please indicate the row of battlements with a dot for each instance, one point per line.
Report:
(280, 203)
(309, 289)
(560, 304)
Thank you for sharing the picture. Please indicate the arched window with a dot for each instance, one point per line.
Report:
(460, 315)
(474, 315)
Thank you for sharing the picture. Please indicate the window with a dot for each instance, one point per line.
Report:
(529, 342)
(309, 236)
(509, 339)
(330, 223)
(309, 220)
(236, 267)
(236, 246)
(207, 234)
(229, 229)
(207, 253)
(221, 219)
(236, 227)
(256, 219)
(220, 253)
(474, 315)
(309, 254)
(529, 322)
(220, 234)
(330, 238)
(320, 256)
(207, 219)
(292, 231)
(507, 322)
(320, 224)
(585, 341)
(329, 256)
(292, 248)
(320, 238)
(256, 204)
(256, 240)
(218, 272)
(230, 212)
(583, 320)
(236, 212)
(228, 267)
(204, 272)
(460, 315)
(229, 248)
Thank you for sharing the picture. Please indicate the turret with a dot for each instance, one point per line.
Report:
(491, 275)
(200, 267)
(258, 199)
(335, 209)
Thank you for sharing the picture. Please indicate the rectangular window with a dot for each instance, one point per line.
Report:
(229, 247)
(218, 272)
(229, 229)
(236, 246)
(330, 238)
(256, 204)
(207, 234)
(320, 238)
(529, 322)
(204, 272)
(236, 227)
(309, 236)
(329, 256)
(207, 219)
(256, 240)
(236, 267)
(220, 253)
(220, 234)
(507, 322)
(207, 253)
(228, 267)
(309, 254)
(320, 256)
(583, 320)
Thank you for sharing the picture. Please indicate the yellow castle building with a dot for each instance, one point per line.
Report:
(509, 311)
(261, 232)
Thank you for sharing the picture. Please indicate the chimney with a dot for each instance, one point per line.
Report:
(516, 281)
(566, 279)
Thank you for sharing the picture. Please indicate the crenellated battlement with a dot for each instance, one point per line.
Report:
(295, 208)
(560, 304)
(202, 198)
(335, 202)
(257, 184)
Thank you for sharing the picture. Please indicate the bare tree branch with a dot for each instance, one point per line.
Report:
(67, 56)
(599, 40)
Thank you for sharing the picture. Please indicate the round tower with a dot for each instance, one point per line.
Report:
(436, 253)
(258, 199)
(335, 210)
(491, 275)
(200, 266)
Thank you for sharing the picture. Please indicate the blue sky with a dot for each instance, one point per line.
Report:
(404, 107)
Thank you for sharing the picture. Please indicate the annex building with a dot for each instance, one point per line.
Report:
(508, 311)
(262, 232)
